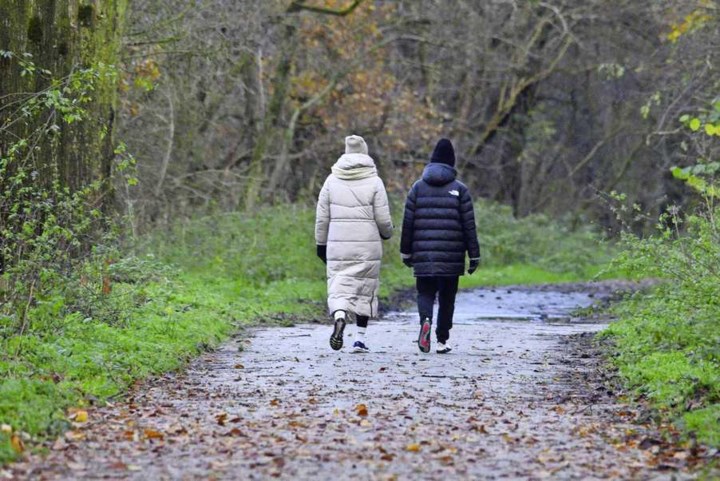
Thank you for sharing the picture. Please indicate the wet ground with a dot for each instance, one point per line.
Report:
(520, 397)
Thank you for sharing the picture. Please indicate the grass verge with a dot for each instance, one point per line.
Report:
(667, 350)
(667, 340)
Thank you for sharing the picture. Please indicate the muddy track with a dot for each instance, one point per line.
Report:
(522, 396)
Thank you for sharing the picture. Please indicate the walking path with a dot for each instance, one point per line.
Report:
(518, 398)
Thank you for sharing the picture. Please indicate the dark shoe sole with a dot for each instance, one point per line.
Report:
(424, 337)
(336, 339)
(444, 351)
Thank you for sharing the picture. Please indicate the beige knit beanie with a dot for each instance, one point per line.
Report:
(354, 144)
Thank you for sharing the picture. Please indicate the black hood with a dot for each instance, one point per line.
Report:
(439, 174)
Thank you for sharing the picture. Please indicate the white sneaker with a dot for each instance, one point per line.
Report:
(443, 348)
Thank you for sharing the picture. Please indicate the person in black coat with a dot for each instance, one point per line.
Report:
(438, 229)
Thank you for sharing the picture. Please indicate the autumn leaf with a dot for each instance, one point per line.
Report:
(221, 418)
(275, 402)
(413, 447)
(152, 434)
(239, 366)
(74, 435)
(481, 429)
(75, 466)
(59, 445)
(17, 443)
(80, 416)
(361, 410)
(106, 286)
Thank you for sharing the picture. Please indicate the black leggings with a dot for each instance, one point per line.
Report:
(361, 321)
(445, 289)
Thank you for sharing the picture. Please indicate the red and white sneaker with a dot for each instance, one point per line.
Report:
(424, 337)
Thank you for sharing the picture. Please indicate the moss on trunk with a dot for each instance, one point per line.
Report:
(62, 35)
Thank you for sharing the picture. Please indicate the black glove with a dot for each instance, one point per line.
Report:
(322, 253)
(407, 261)
(474, 263)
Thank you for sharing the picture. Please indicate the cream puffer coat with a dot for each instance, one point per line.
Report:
(353, 216)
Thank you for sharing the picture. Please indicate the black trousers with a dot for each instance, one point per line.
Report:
(361, 321)
(445, 289)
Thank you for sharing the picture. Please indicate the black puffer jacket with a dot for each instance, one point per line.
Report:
(439, 224)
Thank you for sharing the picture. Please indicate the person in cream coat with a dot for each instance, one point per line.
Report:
(352, 219)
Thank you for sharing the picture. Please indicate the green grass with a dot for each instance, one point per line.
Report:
(667, 339)
(667, 350)
(228, 271)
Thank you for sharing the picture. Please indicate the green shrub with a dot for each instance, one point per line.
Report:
(667, 339)
(277, 243)
(536, 240)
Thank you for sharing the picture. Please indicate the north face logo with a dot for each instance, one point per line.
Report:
(454, 192)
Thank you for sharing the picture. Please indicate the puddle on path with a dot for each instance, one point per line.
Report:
(511, 304)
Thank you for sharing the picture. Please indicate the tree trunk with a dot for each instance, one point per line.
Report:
(62, 36)
(269, 129)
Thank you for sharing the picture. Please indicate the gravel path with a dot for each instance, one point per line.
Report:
(518, 398)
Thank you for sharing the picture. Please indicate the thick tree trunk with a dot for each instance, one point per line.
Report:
(62, 36)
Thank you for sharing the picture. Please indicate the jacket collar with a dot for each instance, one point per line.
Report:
(354, 166)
